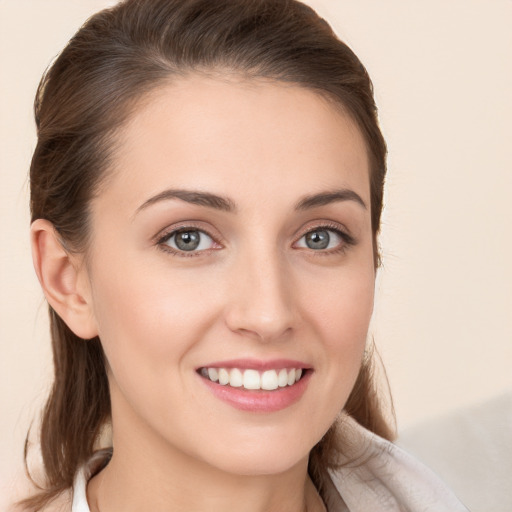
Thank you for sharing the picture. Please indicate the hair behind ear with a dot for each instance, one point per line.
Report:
(76, 410)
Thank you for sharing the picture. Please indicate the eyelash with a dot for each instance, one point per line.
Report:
(347, 240)
(161, 240)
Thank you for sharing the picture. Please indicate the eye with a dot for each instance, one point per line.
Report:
(187, 240)
(324, 239)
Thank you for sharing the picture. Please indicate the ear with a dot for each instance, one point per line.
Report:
(63, 279)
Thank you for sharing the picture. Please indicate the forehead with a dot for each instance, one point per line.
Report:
(240, 136)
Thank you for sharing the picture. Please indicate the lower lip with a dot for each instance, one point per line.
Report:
(259, 400)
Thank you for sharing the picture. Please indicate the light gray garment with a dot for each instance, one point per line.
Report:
(376, 476)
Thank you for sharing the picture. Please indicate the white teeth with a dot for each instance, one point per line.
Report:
(223, 376)
(282, 378)
(269, 380)
(252, 379)
(236, 378)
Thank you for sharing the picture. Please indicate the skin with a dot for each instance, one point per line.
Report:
(256, 291)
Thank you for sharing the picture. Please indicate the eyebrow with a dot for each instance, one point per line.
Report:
(226, 204)
(193, 197)
(330, 196)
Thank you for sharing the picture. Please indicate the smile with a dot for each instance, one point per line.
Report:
(257, 386)
(251, 379)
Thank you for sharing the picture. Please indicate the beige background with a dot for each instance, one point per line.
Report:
(443, 78)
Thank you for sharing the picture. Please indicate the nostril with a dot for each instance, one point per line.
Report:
(269, 334)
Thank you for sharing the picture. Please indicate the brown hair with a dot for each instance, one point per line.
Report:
(116, 58)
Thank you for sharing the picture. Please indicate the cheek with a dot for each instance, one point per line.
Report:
(147, 318)
(340, 315)
(342, 307)
(149, 323)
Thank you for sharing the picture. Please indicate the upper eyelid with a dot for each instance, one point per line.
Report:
(183, 226)
(174, 232)
(324, 224)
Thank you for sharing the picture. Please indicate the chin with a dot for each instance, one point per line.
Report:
(266, 454)
(262, 464)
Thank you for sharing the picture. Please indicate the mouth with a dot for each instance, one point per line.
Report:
(256, 386)
(252, 379)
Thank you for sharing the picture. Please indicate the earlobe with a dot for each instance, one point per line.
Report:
(60, 277)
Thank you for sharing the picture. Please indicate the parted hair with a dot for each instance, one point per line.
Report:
(116, 58)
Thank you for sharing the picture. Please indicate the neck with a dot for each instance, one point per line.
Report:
(123, 486)
(146, 473)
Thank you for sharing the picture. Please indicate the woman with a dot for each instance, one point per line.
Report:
(206, 198)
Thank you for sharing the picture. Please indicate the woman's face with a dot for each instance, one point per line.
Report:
(232, 250)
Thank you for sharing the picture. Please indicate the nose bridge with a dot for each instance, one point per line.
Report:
(261, 300)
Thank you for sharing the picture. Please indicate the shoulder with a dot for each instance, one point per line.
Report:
(72, 498)
(19, 487)
(62, 503)
(374, 474)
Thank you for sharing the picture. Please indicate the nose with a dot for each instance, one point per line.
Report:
(261, 304)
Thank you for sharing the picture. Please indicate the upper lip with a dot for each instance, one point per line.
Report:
(257, 364)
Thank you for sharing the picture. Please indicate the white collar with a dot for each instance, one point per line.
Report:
(98, 460)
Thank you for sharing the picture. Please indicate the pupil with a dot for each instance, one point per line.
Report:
(317, 239)
(187, 240)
